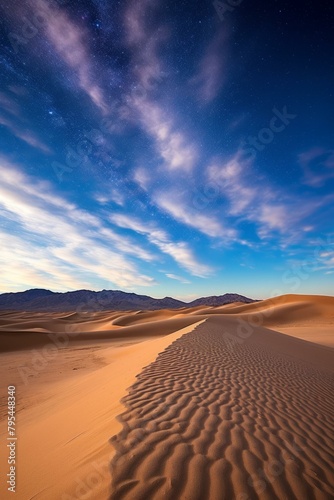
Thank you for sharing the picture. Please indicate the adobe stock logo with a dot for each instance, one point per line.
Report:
(265, 136)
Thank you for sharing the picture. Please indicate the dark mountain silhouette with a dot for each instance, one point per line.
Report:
(87, 300)
(220, 300)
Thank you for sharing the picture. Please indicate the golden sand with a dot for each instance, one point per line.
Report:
(234, 402)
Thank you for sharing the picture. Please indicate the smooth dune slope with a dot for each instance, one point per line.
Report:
(26, 331)
(309, 317)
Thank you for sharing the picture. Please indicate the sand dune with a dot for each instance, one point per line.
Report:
(211, 419)
(19, 333)
(231, 410)
(290, 308)
(67, 413)
(308, 317)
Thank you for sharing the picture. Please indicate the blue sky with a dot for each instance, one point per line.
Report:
(166, 148)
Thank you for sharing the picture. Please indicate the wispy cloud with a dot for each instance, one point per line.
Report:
(211, 73)
(113, 195)
(326, 260)
(318, 166)
(24, 135)
(231, 179)
(257, 202)
(179, 251)
(26, 265)
(177, 278)
(145, 42)
(142, 177)
(68, 244)
(174, 204)
(173, 145)
(12, 117)
(70, 41)
(176, 151)
(9, 104)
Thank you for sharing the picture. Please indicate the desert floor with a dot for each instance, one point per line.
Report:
(227, 403)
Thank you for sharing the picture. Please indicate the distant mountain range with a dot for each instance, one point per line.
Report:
(87, 300)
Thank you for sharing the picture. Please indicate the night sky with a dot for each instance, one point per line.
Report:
(167, 147)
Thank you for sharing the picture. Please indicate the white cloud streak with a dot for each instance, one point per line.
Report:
(318, 166)
(179, 251)
(24, 135)
(173, 204)
(177, 152)
(142, 177)
(113, 195)
(172, 144)
(63, 244)
(69, 40)
(211, 73)
(177, 278)
(257, 202)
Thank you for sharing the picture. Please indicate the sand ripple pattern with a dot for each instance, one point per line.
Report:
(208, 420)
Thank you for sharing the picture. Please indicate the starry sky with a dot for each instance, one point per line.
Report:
(169, 148)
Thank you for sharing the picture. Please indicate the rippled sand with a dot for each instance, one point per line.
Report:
(211, 419)
(219, 403)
